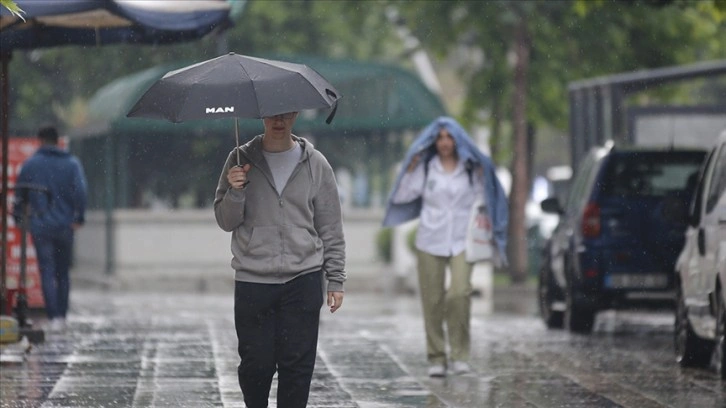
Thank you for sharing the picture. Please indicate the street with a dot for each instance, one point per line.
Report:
(146, 349)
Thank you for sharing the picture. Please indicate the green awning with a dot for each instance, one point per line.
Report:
(376, 98)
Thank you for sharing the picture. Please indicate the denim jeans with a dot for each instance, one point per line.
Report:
(277, 330)
(54, 254)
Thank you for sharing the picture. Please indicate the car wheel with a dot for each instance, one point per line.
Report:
(579, 318)
(691, 350)
(549, 295)
(718, 357)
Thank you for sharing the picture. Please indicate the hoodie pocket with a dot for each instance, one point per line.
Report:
(264, 243)
(301, 246)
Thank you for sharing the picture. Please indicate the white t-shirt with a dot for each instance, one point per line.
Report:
(447, 201)
(282, 164)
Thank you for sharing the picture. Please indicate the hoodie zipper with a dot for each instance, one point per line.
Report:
(295, 171)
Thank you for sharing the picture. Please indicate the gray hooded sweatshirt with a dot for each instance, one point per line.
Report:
(278, 237)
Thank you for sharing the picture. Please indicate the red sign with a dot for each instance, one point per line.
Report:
(19, 150)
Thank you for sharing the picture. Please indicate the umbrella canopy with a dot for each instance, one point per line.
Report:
(96, 22)
(236, 86)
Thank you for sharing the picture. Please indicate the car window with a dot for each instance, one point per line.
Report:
(694, 212)
(651, 174)
(718, 180)
(578, 186)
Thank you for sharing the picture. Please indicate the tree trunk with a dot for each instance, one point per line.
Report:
(495, 137)
(520, 174)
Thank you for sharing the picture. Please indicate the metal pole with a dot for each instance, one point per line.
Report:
(109, 203)
(617, 113)
(5, 57)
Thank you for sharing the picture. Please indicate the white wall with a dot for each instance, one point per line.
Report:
(187, 250)
(682, 130)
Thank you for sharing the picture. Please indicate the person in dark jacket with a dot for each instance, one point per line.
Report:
(278, 197)
(54, 185)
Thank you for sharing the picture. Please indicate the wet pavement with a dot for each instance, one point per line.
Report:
(179, 350)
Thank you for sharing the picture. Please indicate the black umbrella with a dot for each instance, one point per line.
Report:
(236, 86)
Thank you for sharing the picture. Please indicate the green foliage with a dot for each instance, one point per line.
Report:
(384, 244)
(716, 8)
(570, 41)
(47, 77)
(330, 28)
(411, 239)
(13, 8)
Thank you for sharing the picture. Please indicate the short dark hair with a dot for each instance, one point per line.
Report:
(48, 134)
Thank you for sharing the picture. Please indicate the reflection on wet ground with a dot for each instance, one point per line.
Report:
(179, 350)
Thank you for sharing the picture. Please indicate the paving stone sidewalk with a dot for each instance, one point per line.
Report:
(179, 350)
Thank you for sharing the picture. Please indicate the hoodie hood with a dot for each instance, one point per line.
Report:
(52, 150)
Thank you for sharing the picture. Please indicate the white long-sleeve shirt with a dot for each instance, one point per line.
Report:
(447, 201)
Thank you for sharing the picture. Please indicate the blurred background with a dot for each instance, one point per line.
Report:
(506, 70)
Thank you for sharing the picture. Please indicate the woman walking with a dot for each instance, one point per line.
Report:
(443, 175)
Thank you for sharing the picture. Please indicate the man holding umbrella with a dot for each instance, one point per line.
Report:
(278, 196)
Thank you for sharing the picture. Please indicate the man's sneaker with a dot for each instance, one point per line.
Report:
(437, 370)
(460, 367)
(57, 324)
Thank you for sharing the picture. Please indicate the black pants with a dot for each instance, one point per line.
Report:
(277, 330)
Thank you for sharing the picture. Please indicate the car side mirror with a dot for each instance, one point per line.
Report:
(675, 210)
(551, 205)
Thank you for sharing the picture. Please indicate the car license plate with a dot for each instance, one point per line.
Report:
(637, 281)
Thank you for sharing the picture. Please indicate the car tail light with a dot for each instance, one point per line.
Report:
(622, 257)
(591, 221)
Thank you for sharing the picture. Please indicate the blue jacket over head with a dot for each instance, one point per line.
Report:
(64, 203)
(495, 197)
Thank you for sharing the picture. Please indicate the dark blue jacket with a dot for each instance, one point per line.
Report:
(495, 196)
(64, 203)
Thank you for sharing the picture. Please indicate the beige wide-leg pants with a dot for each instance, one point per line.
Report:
(441, 306)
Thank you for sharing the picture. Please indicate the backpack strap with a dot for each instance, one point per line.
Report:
(468, 166)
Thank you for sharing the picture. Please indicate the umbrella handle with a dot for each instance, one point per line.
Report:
(236, 137)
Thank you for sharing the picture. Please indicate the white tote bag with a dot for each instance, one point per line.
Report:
(479, 235)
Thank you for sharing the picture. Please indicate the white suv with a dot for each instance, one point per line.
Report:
(700, 324)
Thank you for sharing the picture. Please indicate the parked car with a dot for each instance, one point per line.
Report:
(700, 323)
(618, 236)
